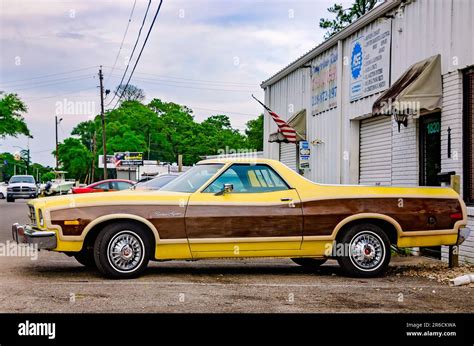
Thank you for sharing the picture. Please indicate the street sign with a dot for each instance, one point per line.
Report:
(128, 158)
(304, 154)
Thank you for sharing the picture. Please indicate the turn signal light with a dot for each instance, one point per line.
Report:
(456, 216)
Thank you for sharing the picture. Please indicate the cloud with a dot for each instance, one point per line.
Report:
(209, 54)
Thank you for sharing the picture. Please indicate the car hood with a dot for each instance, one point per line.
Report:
(111, 198)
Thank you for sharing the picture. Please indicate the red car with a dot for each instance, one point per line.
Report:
(105, 186)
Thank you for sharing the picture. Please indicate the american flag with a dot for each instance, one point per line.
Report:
(283, 127)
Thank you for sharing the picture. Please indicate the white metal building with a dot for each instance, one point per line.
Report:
(418, 52)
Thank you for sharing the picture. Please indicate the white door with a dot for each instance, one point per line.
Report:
(375, 166)
(288, 155)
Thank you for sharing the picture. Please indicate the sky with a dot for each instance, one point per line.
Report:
(209, 55)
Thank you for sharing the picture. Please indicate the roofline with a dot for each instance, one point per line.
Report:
(344, 33)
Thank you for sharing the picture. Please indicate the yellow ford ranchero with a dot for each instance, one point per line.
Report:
(235, 208)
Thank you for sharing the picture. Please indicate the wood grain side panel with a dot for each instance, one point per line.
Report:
(228, 221)
(321, 217)
(168, 219)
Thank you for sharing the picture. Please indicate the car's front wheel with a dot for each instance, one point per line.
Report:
(366, 251)
(122, 250)
(10, 199)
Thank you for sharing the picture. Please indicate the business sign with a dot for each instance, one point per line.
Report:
(370, 62)
(110, 161)
(128, 158)
(324, 82)
(304, 154)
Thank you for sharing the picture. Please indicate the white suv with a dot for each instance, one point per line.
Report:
(21, 186)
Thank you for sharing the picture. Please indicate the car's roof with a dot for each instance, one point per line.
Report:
(109, 180)
(242, 159)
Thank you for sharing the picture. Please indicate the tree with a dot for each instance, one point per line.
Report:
(12, 122)
(344, 17)
(74, 157)
(254, 132)
(130, 92)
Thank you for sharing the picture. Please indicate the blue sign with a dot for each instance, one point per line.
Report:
(356, 60)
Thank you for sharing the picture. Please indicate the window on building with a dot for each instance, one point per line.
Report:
(468, 95)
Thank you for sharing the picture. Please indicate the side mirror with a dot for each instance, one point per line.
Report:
(227, 188)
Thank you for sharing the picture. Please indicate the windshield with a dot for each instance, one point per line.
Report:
(155, 184)
(193, 179)
(26, 180)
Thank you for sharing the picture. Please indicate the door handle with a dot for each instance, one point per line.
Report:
(286, 199)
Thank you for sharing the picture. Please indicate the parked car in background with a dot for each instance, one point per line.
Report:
(105, 186)
(3, 190)
(155, 183)
(21, 186)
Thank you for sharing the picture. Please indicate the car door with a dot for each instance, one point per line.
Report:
(261, 213)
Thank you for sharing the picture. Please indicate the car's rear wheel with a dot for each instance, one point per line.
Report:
(122, 250)
(366, 251)
(85, 257)
(310, 263)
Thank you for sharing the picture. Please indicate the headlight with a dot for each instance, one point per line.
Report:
(41, 218)
(32, 188)
(9, 189)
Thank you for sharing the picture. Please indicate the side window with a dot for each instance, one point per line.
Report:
(120, 185)
(103, 186)
(249, 179)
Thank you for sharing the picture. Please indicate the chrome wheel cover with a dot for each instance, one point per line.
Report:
(367, 251)
(125, 251)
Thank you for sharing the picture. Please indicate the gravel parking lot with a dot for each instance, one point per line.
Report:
(57, 283)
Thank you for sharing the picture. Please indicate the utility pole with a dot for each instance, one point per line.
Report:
(56, 122)
(94, 153)
(104, 137)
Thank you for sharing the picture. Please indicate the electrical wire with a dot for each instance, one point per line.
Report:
(133, 50)
(46, 76)
(140, 54)
(195, 81)
(123, 39)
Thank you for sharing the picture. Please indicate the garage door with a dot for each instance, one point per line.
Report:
(375, 151)
(288, 155)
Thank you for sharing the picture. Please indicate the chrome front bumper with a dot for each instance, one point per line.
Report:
(27, 235)
(464, 233)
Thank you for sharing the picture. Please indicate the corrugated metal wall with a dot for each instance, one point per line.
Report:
(376, 151)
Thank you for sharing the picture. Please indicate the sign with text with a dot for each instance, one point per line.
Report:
(110, 161)
(324, 82)
(370, 62)
(128, 158)
(304, 154)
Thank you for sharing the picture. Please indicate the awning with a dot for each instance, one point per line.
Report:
(418, 89)
(298, 122)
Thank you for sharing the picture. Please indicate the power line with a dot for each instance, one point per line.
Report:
(123, 39)
(191, 87)
(133, 50)
(198, 86)
(49, 83)
(196, 81)
(48, 75)
(141, 51)
(58, 95)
